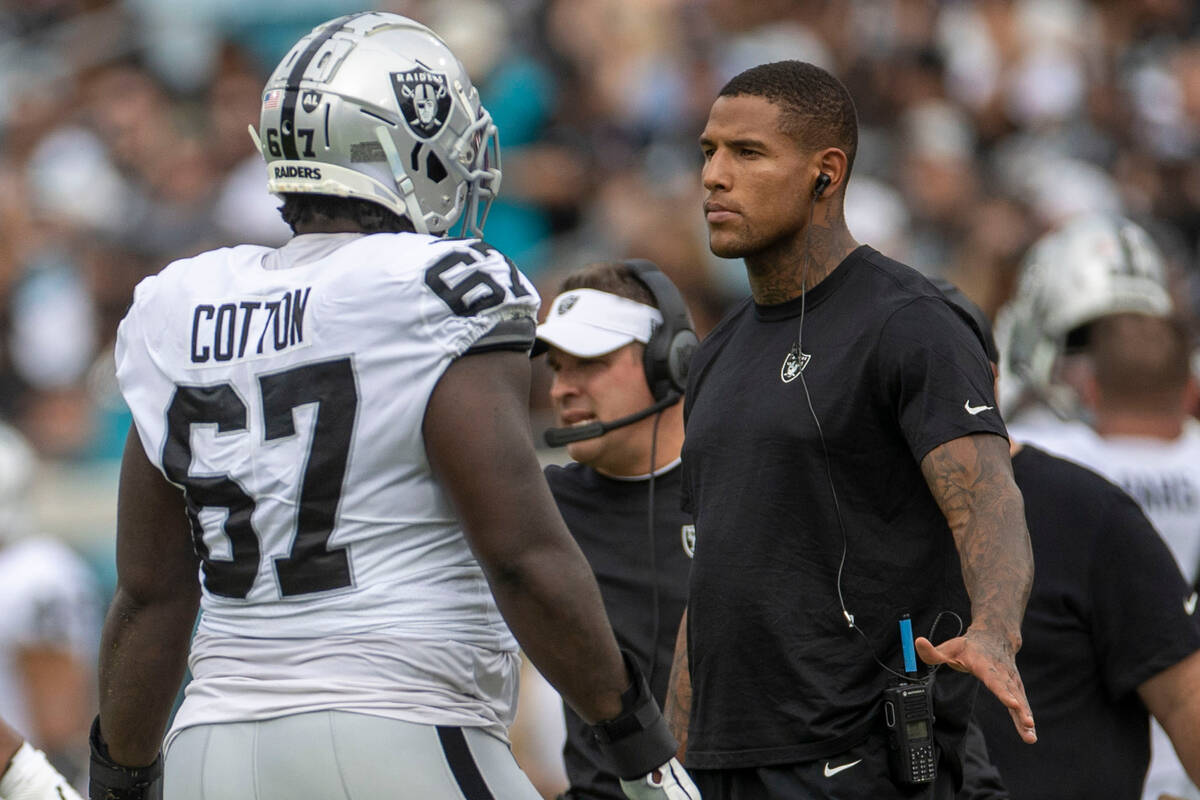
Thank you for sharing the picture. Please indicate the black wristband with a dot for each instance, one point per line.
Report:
(111, 781)
(637, 740)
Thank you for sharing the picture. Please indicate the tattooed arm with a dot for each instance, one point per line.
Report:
(971, 479)
(679, 691)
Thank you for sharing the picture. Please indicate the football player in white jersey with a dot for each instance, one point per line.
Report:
(1093, 336)
(47, 613)
(347, 419)
(49, 624)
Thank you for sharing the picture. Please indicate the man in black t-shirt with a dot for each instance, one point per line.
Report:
(845, 465)
(620, 496)
(1110, 637)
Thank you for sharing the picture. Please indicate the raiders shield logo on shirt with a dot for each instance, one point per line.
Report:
(424, 100)
(794, 364)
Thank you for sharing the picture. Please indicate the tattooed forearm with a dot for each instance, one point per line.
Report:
(679, 690)
(971, 479)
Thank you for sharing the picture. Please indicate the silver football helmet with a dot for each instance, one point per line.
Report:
(375, 106)
(1093, 266)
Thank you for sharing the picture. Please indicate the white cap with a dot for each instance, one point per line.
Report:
(587, 323)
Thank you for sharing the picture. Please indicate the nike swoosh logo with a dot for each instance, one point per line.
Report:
(973, 410)
(831, 771)
(1189, 605)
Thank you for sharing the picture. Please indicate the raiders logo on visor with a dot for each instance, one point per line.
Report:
(424, 100)
(567, 303)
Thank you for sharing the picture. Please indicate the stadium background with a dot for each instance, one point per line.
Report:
(123, 145)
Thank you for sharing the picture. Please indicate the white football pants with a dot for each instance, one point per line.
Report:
(336, 755)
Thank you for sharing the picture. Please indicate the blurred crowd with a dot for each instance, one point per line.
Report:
(124, 145)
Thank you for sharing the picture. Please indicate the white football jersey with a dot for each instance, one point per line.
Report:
(285, 391)
(50, 599)
(1163, 476)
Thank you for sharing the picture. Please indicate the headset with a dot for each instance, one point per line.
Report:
(665, 362)
(669, 351)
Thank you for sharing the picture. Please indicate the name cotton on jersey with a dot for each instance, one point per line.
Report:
(281, 386)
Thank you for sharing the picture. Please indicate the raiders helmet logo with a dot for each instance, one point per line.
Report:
(310, 100)
(424, 99)
(794, 364)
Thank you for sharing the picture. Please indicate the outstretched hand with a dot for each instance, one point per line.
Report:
(990, 659)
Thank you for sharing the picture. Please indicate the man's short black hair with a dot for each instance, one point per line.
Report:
(301, 208)
(817, 108)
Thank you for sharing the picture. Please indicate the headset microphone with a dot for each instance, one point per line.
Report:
(557, 437)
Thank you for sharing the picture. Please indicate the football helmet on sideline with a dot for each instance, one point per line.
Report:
(375, 106)
(1093, 266)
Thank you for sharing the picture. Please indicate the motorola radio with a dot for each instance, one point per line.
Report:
(908, 714)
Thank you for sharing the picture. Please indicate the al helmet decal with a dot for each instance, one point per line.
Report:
(424, 100)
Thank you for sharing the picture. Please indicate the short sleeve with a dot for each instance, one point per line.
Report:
(934, 374)
(476, 300)
(1144, 609)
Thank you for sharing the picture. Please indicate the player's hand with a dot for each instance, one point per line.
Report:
(29, 776)
(668, 782)
(992, 660)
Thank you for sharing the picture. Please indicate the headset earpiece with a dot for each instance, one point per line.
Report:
(823, 181)
(669, 351)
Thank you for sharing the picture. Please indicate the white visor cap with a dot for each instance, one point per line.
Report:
(587, 323)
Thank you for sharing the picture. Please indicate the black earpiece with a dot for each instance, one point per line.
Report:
(823, 182)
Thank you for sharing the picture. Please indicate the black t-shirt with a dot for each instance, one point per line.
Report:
(893, 371)
(609, 518)
(1107, 612)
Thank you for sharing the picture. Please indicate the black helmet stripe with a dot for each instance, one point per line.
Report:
(287, 120)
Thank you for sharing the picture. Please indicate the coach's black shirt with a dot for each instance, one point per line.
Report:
(610, 519)
(892, 371)
(1108, 611)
